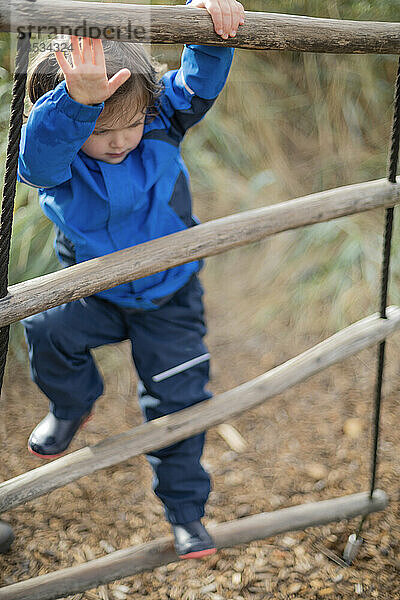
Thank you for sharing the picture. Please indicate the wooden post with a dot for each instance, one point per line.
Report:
(172, 428)
(178, 24)
(128, 562)
(211, 238)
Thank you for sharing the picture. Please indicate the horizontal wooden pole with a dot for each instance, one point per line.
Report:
(172, 428)
(177, 24)
(208, 239)
(128, 562)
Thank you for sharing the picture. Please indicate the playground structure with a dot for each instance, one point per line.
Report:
(174, 25)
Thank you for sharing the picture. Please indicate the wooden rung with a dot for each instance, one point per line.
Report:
(172, 428)
(208, 239)
(128, 562)
(175, 24)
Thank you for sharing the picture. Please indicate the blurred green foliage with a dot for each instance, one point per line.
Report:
(362, 10)
(32, 239)
(286, 124)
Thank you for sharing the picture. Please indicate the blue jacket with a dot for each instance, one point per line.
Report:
(99, 208)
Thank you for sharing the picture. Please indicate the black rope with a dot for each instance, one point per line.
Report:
(392, 171)
(393, 163)
(10, 179)
(7, 206)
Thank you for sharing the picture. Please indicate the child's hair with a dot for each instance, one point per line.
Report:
(140, 92)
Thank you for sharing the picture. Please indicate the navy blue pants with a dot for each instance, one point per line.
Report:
(172, 363)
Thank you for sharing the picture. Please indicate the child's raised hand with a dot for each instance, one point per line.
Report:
(87, 80)
(227, 15)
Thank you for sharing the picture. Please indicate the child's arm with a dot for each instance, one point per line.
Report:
(57, 128)
(191, 91)
(62, 120)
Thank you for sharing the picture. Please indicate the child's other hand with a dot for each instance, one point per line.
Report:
(227, 15)
(87, 80)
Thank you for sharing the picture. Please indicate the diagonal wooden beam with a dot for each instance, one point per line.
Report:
(170, 429)
(177, 24)
(208, 239)
(128, 562)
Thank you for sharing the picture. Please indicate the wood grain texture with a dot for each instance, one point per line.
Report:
(208, 239)
(128, 562)
(179, 24)
(172, 428)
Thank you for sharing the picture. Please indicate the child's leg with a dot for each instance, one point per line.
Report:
(59, 342)
(162, 340)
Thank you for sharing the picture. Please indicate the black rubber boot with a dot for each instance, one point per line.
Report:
(6, 537)
(52, 436)
(192, 540)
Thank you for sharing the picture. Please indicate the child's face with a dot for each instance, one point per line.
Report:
(112, 143)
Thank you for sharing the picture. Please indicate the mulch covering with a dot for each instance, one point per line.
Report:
(309, 444)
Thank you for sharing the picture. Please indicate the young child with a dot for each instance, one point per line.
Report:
(102, 145)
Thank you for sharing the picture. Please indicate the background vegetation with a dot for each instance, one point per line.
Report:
(287, 124)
